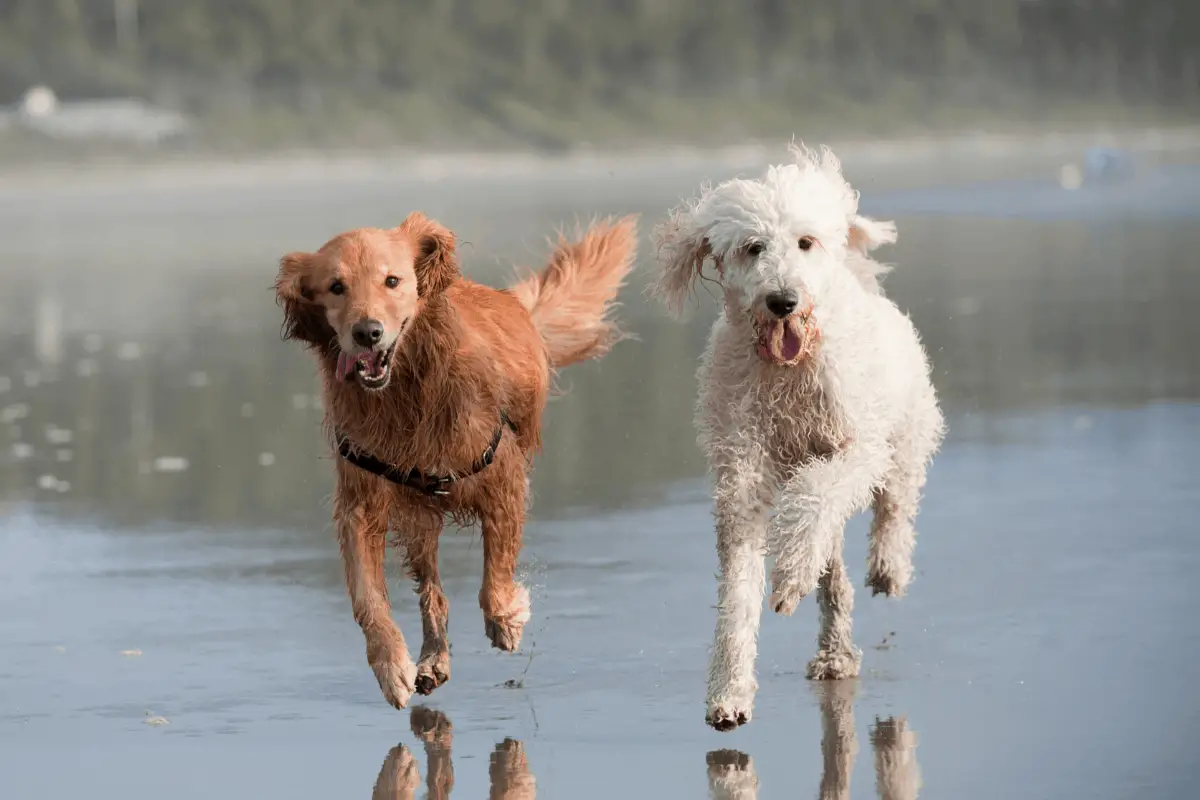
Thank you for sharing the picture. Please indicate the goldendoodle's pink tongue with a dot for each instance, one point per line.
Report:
(789, 344)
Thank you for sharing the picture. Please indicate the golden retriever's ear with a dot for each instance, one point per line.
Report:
(866, 234)
(436, 253)
(303, 320)
(681, 248)
(289, 283)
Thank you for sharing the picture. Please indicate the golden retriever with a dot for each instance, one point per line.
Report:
(434, 387)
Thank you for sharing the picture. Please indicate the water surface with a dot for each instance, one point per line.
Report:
(166, 552)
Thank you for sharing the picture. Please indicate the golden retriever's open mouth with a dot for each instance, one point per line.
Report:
(372, 368)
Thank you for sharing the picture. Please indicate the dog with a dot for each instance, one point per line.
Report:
(815, 401)
(434, 388)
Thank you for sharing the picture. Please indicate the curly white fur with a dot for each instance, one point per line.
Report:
(797, 445)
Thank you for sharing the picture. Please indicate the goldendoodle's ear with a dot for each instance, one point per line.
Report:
(866, 234)
(681, 248)
(303, 320)
(436, 253)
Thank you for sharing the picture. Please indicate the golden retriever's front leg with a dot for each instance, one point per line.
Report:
(434, 729)
(508, 769)
(505, 603)
(420, 534)
(361, 513)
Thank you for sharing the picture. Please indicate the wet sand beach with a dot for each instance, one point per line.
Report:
(172, 614)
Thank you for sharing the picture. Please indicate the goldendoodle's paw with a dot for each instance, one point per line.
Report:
(835, 666)
(888, 579)
(399, 776)
(892, 732)
(505, 629)
(787, 592)
(432, 672)
(731, 774)
(726, 715)
(397, 680)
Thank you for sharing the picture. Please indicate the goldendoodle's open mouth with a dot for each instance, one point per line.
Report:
(372, 368)
(786, 342)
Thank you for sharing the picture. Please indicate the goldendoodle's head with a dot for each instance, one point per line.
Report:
(781, 246)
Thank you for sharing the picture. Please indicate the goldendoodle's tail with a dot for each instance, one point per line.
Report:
(571, 300)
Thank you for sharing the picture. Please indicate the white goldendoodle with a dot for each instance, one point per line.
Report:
(815, 401)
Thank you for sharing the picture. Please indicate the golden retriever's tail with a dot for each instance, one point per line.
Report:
(572, 298)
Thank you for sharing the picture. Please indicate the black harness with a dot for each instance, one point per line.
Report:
(432, 485)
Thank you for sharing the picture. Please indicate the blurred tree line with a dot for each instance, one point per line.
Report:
(529, 68)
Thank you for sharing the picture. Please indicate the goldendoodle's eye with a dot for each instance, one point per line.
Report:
(806, 243)
(391, 282)
(755, 249)
(337, 287)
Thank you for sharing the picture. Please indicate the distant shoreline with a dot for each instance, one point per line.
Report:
(310, 166)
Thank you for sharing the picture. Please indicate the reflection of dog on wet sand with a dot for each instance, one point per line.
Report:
(815, 402)
(508, 769)
(731, 774)
(434, 388)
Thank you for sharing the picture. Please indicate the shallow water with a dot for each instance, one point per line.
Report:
(166, 554)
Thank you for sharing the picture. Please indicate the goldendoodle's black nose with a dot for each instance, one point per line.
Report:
(368, 332)
(782, 303)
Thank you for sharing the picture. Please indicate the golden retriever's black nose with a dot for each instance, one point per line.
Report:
(367, 332)
(783, 302)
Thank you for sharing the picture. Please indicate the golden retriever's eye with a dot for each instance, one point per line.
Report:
(337, 287)
(755, 249)
(806, 243)
(391, 282)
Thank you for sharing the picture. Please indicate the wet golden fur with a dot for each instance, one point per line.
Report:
(463, 353)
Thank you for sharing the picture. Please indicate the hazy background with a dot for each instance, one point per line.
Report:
(559, 74)
(166, 553)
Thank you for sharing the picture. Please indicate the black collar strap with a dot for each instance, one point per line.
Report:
(432, 485)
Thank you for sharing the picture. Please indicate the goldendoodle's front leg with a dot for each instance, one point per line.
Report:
(892, 538)
(837, 657)
(839, 745)
(811, 514)
(361, 513)
(897, 773)
(742, 506)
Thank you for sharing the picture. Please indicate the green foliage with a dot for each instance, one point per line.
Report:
(550, 71)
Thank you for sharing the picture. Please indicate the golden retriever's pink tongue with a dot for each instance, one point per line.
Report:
(789, 343)
(345, 366)
(347, 363)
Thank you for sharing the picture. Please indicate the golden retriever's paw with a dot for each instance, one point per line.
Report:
(397, 680)
(431, 726)
(399, 776)
(835, 666)
(727, 714)
(505, 628)
(432, 671)
(509, 771)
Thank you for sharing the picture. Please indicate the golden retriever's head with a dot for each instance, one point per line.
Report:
(358, 295)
